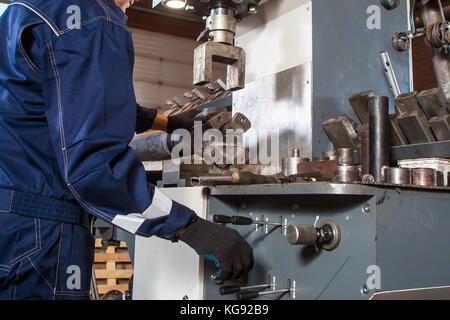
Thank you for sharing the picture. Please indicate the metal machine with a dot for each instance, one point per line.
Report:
(347, 208)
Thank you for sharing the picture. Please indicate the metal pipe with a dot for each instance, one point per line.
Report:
(378, 135)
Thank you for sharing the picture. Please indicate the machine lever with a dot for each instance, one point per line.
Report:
(219, 218)
(242, 221)
(233, 289)
(246, 295)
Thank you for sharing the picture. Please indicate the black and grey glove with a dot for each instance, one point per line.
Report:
(223, 246)
(186, 119)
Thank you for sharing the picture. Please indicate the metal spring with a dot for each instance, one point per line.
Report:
(438, 34)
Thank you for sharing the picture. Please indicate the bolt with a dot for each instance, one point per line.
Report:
(366, 208)
(364, 289)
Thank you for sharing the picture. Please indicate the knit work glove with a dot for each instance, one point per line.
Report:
(225, 247)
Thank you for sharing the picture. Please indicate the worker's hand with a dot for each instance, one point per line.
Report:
(185, 119)
(223, 246)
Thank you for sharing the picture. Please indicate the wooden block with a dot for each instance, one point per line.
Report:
(113, 274)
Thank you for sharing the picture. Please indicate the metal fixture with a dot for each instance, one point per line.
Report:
(327, 236)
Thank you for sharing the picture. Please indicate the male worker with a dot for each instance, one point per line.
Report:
(67, 114)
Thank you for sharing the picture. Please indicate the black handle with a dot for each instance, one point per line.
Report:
(246, 295)
(229, 290)
(243, 221)
(219, 218)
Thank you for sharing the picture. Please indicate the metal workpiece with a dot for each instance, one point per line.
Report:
(389, 73)
(407, 102)
(438, 178)
(433, 102)
(360, 104)
(341, 131)
(397, 137)
(378, 135)
(415, 127)
(345, 156)
(364, 150)
(237, 178)
(398, 176)
(424, 177)
(289, 164)
(441, 127)
(233, 57)
(347, 174)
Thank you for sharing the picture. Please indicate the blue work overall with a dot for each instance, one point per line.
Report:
(67, 115)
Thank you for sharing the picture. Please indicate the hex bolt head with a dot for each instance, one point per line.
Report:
(366, 208)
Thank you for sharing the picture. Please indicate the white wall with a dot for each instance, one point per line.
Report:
(163, 66)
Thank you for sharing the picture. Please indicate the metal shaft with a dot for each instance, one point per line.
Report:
(265, 293)
(378, 135)
(390, 74)
(256, 287)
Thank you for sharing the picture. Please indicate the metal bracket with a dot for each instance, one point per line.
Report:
(233, 57)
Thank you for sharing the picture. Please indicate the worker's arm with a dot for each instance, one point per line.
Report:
(91, 113)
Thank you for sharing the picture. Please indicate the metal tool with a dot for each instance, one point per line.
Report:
(378, 135)
(242, 221)
(225, 290)
(327, 236)
(390, 74)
